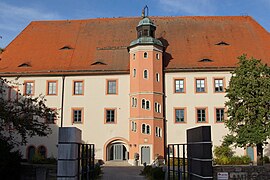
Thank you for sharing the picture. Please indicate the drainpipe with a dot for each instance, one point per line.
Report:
(62, 100)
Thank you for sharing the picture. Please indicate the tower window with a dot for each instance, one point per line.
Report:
(134, 72)
(145, 32)
(134, 56)
(145, 74)
(143, 103)
(145, 55)
(157, 56)
(157, 77)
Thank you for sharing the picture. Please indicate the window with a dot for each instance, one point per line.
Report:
(179, 85)
(51, 117)
(158, 132)
(31, 150)
(145, 74)
(180, 115)
(157, 77)
(146, 129)
(157, 56)
(29, 87)
(219, 86)
(42, 151)
(51, 87)
(201, 115)
(157, 107)
(134, 72)
(143, 103)
(134, 56)
(110, 116)
(111, 86)
(78, 88)
(13, 93)
(133, 126)
(77, 115)
(145, 54)
(147, 105)
(134, 102)
(219, 114)
(200, 85)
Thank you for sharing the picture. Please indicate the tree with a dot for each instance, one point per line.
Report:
(23, 118)
(249, 105)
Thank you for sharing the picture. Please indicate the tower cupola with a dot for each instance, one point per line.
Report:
(146, 31)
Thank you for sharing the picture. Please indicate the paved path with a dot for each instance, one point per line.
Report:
(113, 170)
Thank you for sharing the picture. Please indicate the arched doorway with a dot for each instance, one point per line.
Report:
(117, 150)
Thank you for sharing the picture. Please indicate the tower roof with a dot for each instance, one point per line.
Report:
(146, 21)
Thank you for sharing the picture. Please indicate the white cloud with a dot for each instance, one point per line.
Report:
(189, 7)
(12, 17)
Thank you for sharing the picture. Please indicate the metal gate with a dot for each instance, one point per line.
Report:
(192, 160)
(86, 161)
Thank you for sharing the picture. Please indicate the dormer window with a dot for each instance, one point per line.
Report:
(222, 43)
(25, 65)
(206, 60)
(65, 48)
(98, 63)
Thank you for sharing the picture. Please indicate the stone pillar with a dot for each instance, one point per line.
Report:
(68, 142)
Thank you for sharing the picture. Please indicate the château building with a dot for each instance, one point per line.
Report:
(132, 85)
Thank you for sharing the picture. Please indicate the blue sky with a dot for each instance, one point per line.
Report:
(15, 15)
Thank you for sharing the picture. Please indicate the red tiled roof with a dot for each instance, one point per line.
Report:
(100, 45)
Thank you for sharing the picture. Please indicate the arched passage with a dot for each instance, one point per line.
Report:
(116, 149)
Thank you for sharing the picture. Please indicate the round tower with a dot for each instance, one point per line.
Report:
(146, 94)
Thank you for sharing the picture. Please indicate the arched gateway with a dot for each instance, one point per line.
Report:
(116, 149)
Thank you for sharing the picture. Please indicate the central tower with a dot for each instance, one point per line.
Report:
(146, 94)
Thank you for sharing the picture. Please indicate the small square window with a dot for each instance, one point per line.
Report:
(200, 85)
(180, 115)
(51, 87)
(111, 87)
(78, 88)
(51, 118)
(110, 115)
(201, 115)
(179, 85)
(219, 86)
(219, 114)
(29, 88)
(77, 115)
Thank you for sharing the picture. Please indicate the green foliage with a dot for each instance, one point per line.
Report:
(153, 173)
(177, 161)
(23, 118)
(225, 156)
(266, 159)
(248, 104)
(9, 161)
(223, 151)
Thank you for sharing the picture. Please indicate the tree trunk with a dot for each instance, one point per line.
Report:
(259, 154)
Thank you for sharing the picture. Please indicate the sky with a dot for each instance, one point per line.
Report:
(15, 15)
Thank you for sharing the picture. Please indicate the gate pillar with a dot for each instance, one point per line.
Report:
(69, 139)
(199, 153)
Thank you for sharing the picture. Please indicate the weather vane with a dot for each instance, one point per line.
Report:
(143, 11)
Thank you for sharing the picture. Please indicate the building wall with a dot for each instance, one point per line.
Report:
(190, 100)
(94, 101)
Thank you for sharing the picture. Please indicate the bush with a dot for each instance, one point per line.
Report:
(266, 160)
(221, 151)
(225, 156)
(181, 161)
(153, 173)
(9, 161)
(38, 159)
